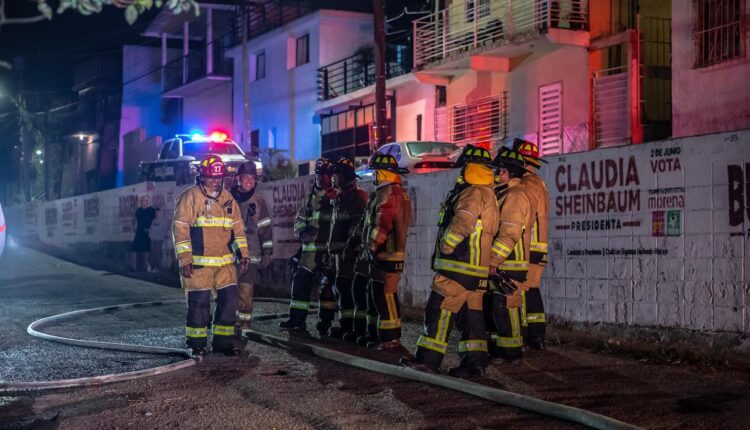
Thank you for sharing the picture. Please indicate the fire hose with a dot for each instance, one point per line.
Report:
(496, 395)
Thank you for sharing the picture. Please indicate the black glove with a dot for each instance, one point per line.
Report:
(501, 283)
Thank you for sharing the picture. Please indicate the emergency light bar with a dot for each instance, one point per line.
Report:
(215, 136)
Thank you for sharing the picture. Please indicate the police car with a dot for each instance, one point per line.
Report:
(179, 157)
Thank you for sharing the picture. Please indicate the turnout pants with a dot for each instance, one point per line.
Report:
(198, 291)
(508, 341)
(438, 323)
(532, 317)
(365, 318)
(383, 298)
(309, 275)
(247, 283)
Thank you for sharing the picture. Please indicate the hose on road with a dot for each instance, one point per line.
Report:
(527, 403)
(520, 401)
(34, 330)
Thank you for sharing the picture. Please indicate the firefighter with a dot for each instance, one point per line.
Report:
(467, 222)
(386, 223)
(347, 213)
(206, 222)
(256, 221)
(312, 228)
(510, 255)
(532, 309)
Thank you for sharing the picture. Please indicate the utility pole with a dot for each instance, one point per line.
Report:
(381, 127)
(246, 75)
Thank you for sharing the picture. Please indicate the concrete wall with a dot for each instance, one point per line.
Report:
(648, 235)
(284, 102)
(414, 99)
(709, 99)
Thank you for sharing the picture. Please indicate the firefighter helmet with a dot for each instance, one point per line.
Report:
(387, 162)
(529, 151)
(344, 167)
(212, 167)
(248, 168)
(323, 166)
(474, 154)
(509, 158)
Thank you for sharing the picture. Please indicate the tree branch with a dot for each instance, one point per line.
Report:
(27, 20)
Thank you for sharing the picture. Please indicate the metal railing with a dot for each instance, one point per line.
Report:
(192, 67)
(481, 24)
(358, 71)
(483, 122)
(265, 16)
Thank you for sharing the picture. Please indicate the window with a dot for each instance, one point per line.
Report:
(717, 31)
(550, 119)
(260, 66)
(482, 8)
(303, 50)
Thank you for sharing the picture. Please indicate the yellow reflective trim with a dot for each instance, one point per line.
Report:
(535, 318)
(264, 222)
(515, 323)
(393, 321)
(475, 251)
(196, 332)
(223, 330)
(460, 267)
(501, 249)
(442, 330)
(299, 304)
(539, 247)
(183, 247)
(328, 304)
(515, 266)
(310, 247)
(242, 316)
(374, 233)
(523, 309)
(213, 261)
(346, 313)
(509, 342)
(472, 346)
(432, 344)
(451, 238)
(213, 222)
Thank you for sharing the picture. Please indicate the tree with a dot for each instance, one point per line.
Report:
(133, 8)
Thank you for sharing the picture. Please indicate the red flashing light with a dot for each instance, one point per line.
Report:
(218, 136)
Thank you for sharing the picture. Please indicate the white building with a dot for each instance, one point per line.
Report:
(283, 78)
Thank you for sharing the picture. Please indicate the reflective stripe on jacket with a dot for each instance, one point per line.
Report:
(387, 220)
(205, 229)
(463, 250)
(510, 250)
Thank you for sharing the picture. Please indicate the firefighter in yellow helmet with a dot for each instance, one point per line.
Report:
(468, 221)
(206, 224)
(312, 227)
(510, 256)
(384, 230)
(532, 309)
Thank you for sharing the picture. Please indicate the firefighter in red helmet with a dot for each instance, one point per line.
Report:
(532, 307)
(206, 225)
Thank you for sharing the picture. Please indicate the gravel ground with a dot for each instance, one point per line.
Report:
(268, 387)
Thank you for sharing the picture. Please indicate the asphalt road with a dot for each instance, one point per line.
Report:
(272, 388)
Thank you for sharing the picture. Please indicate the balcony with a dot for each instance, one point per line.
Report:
(358, 71)
(194, 73)
(502, 28)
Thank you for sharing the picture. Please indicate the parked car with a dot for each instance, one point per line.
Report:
(417, 156)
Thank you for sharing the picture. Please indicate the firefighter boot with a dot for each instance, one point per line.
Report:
(300, 303)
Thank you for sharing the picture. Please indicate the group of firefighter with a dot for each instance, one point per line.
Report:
(490, 252)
